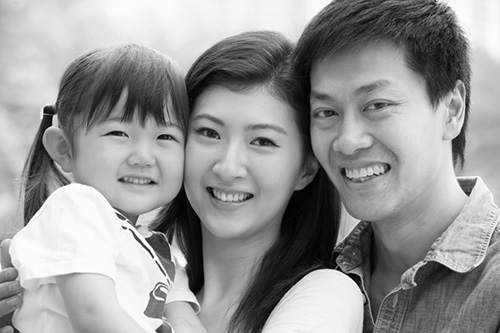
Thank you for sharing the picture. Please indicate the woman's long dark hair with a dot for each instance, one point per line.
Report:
(89, 90)
(310, 224)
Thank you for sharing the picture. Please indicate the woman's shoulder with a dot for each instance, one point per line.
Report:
(326, 283)
(327, 275)
(323, 300)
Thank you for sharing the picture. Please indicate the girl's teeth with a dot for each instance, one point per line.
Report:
(137, 181)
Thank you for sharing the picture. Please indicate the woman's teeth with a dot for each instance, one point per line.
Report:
(230, 197)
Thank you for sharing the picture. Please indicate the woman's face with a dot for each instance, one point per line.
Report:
(244, 159)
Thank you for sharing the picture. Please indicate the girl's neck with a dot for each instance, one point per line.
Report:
(132, 218)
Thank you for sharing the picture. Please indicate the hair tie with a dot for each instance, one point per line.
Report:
(47, 111)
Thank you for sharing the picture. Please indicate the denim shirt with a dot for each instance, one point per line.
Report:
(455, 288)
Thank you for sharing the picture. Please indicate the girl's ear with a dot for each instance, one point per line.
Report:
(57, 145)
(309, 170)
(455, 108)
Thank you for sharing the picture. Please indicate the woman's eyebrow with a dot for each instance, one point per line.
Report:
(253, 127)
(209, 118)
(256, 127)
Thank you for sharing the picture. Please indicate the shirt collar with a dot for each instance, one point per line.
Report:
(461, 247)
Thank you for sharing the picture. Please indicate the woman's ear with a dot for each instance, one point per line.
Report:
(309, 170)
(57, 145)
(455, 112)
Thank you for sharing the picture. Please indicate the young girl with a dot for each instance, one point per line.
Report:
(121, 119)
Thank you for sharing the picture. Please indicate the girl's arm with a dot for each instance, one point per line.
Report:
(181, 303)
(92, 304)
(324, 301)
(183, 318)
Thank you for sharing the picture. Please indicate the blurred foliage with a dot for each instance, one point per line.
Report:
(39, 38)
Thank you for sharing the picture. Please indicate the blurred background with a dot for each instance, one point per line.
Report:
(39, 38)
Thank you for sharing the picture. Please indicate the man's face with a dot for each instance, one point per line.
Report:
(376, 133)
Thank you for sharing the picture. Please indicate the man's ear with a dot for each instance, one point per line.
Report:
(57, 145)
(455, 112)
(309, 170)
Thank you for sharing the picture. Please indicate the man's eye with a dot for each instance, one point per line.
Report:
(377, 106)
(324, 113)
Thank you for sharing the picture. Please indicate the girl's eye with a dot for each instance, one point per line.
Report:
(117, 133)
(167, 137)
(208, 132)
(263, 142)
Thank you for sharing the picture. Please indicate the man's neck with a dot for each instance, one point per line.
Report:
(400, 243)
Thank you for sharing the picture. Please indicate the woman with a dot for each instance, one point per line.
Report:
(258, 219)
(261, 218)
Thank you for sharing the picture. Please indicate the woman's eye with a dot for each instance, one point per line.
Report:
(208, 132)
(264, 142)
(117, 133)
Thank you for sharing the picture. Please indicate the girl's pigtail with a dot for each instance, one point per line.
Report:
(40, 171)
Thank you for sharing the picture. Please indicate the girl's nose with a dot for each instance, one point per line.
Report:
(141, 154)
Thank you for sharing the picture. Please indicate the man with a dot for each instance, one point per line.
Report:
(389, 89)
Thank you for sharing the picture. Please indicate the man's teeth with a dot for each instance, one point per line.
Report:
(366, 172)
(231, 197)
(138, 181)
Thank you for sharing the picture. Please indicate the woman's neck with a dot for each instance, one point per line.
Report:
(229, 266)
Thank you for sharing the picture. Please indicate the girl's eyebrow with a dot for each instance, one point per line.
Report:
(169, 124)
(253, 127)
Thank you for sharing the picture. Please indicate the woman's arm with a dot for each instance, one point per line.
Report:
(10, 298)
(92, 304)
(323, 301)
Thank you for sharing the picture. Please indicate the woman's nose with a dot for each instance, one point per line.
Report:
(231, 164)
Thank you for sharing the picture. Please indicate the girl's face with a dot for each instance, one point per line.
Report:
(244, 159)
(137, 168)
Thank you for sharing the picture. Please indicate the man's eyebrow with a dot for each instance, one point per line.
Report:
(367, 88)
(209, 118)
(321, 96)
(364, 89)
